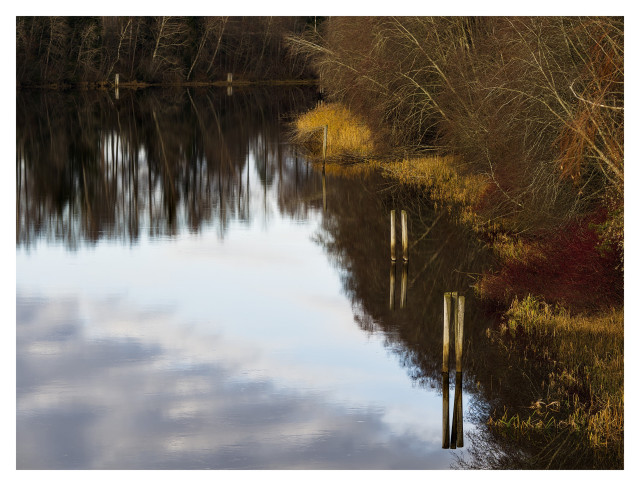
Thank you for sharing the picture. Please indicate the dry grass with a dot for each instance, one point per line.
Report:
(350, 141)
(347, 136)
(584, 359)
(439, 176)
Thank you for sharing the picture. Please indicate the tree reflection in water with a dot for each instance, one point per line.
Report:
(158, 163)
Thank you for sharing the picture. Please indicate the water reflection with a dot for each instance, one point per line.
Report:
(160, 395)
(445, 410)
(213, 333)
(457, 435)
(392, 286)
(403, 285)
(152, 163)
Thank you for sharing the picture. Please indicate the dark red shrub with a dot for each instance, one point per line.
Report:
(566, 267)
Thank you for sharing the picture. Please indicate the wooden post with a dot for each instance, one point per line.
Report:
(403, 285)
(229, 90)
(445, 410)
(324, 144)
(445, 333)
(459, 332)
(457, 411)
(405, 237)
(392, 286)
(229, 77)
(457, 439)
(454, 315)
(117, 80)
(117, 86)
(393, 235)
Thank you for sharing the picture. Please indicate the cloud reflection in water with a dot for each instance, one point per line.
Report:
(147, 393)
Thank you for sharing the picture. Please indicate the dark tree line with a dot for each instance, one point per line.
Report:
(72, 50)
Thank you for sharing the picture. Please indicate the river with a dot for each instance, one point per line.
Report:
(193, 293)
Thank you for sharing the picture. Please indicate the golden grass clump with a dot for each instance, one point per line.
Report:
(346, 136)
(439, 176)
(445, 183)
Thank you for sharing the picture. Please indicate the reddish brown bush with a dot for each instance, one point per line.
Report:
(567, 267)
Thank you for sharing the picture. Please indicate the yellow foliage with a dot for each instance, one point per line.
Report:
(440, 177)
(346, 134)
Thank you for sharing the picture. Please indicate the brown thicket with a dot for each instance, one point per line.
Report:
(535, 104)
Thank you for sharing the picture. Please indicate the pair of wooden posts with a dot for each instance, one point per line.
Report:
(405, 236)
(229, 82)
(458, 327)
(405, 257)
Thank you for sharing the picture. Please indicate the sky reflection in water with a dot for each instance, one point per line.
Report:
(206, 352)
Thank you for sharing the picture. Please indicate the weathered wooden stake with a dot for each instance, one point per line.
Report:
(229, 77)
(403, 285)
(324, 144)
(445, 333)
(405, 237)
(392, 286)
(454, 315)
(117, 80)
(393, 235)
(459, 332)
(117, 86)
(229, 90)
(445, 410)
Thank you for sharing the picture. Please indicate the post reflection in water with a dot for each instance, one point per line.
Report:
(392, 286)
(457, 433)
(456, 426)
(403, 285)
(324, 190)
(445, 409)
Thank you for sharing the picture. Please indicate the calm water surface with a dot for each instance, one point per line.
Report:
(185, 301)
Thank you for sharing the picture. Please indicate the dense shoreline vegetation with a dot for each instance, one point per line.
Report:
(516, 126)
(573, 344)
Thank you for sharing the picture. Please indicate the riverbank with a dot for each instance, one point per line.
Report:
(558, 294)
